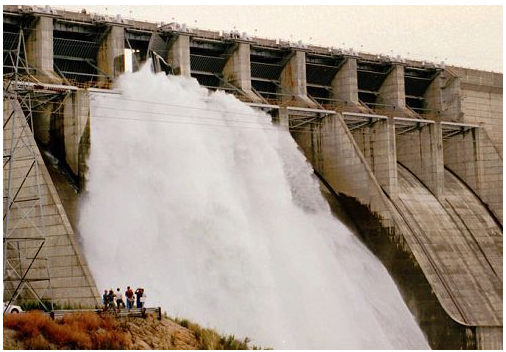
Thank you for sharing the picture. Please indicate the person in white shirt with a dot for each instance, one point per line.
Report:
(143, 299)
(119, 299)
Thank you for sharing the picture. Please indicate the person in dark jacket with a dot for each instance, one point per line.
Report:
(110, 299)
(105, 299)
(138, 294)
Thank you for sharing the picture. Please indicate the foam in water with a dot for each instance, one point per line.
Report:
(215, 212)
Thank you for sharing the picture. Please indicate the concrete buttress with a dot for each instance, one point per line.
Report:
(392, 94)
(39, 49)
(179, 55)
(293, 80)
(237, 70)
(76, 110)
(345, 85)
(377, 143)
(110, 57)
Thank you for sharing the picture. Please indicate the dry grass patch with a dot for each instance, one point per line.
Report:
(75, 331)
(210, 340)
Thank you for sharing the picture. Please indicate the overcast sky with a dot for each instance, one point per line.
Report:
(469, 36)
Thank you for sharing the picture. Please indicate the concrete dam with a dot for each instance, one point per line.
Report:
(411, 150)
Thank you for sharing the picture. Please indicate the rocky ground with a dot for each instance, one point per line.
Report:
(154, 334)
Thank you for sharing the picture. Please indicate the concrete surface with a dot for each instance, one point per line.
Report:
(451, 236)
(179, 55)
(437, 203)
(71, 280)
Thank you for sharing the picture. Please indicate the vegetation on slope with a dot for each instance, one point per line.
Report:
(36, 330)
(75, 331)
(210, 340)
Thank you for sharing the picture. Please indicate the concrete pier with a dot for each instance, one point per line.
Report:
(434, 95)
(110, 57)
(451, 107)
(377, 142)
(345, 85)
(39, 49)
(293, 80)
(76, 125)
(237, 70)
(392, 96)
(179, 55)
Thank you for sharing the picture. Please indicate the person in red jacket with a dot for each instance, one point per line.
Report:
(129, 294)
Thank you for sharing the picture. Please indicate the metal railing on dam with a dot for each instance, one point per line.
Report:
(116, 313)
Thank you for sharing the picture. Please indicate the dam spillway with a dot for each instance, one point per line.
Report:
(366, 120)
(222, 212)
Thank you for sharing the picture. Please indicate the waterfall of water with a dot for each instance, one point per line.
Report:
(215, 212)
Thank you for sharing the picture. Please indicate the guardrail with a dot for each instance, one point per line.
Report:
(117, 313)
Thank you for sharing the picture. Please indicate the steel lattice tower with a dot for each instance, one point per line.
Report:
(26, 271)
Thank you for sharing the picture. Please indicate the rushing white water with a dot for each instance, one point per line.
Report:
(215, 212)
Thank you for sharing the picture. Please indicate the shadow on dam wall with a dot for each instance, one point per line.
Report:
(65, 184)
(441, 331)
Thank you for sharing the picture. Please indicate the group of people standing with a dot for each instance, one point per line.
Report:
(115, 300)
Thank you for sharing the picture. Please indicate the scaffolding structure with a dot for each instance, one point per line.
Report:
(26, 270)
